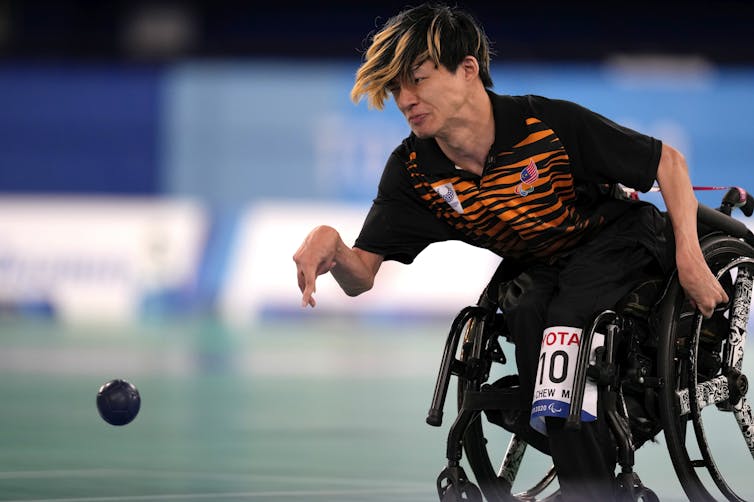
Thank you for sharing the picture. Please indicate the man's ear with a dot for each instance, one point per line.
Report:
(470, 66)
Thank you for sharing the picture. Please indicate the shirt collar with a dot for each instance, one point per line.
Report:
(510, 129)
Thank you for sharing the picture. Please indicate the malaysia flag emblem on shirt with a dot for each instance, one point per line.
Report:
(529, 175)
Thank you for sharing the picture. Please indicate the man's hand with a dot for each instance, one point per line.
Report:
(324, 251)
(316, 256)
(701, 287)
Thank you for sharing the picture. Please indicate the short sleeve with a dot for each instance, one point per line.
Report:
(399, 226)
(600, 149)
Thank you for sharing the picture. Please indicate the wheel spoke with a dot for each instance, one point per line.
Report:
(512, 461)
(745, 420)
(712, 391)
(739, 317)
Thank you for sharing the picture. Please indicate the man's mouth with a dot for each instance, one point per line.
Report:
(417, 119)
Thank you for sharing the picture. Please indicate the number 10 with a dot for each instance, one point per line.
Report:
(563, 367)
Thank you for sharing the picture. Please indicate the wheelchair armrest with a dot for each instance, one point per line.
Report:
(719, 221)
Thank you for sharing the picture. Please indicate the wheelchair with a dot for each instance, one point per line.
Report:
(660, 367)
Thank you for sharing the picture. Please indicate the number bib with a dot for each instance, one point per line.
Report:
(554, 380)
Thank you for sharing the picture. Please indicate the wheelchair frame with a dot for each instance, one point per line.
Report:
(728, 247)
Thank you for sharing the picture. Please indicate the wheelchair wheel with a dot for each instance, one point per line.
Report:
(704, 408)
(484, 442)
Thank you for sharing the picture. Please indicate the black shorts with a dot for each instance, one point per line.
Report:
(570, 292)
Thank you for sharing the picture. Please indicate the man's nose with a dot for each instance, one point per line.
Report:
(406, 98)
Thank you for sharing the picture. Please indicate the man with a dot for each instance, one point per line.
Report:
(525, 177)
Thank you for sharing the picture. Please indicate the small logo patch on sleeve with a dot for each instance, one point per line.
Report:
(447, 192)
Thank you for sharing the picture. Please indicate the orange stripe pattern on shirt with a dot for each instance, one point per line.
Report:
(522, 205)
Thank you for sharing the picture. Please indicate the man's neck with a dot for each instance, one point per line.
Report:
(468, 144)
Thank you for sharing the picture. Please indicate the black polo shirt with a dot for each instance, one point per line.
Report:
(542, 191)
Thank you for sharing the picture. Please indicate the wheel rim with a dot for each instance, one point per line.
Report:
(715, 391)
(681, 360)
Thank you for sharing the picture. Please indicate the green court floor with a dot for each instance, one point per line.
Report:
(326, 411)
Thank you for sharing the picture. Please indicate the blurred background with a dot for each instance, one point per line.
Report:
(161, 161)
(159, 157)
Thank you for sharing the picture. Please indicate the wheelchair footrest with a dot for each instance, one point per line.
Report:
(631, 489)
(454, 486)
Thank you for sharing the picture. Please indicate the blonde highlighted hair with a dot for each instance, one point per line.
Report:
(439, 33)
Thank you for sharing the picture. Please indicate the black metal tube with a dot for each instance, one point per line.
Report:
(434, 416)
(573, 421)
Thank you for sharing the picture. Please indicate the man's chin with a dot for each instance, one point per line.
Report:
(422, 134)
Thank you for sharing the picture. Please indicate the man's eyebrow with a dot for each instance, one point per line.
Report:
(418, 64)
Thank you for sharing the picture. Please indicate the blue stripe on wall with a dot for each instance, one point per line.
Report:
(79, 129)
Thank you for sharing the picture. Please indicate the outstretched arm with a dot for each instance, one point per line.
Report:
(324, 251)
(700, 285)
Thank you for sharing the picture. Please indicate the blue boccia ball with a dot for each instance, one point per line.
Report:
(118, 402)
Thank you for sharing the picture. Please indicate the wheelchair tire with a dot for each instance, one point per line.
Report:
(684, 366)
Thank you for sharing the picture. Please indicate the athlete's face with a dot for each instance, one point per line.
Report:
(431, 98)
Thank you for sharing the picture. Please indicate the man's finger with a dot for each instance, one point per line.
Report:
(707, 309)
(308, 301)
(310, 287)
(724, 295)
(301, 280)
